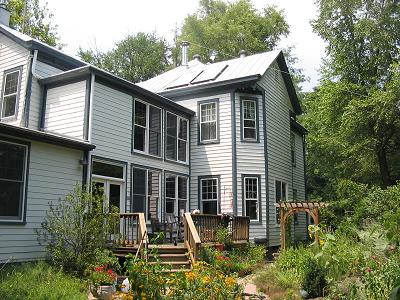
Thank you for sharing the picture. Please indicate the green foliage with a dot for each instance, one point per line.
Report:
(293, 261)
(223, 29)
(314, 279)
(135, 58)
(103, 270)
(33, 19)
(74, 228)
(223, 236)
(39, 281)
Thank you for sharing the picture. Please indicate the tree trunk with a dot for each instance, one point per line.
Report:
(383, 166)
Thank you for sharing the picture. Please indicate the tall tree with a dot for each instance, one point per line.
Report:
(29, 17)
(353, 116)
(222, 29)
(135, 58)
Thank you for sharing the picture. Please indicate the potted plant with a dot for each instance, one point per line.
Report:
(224, 239)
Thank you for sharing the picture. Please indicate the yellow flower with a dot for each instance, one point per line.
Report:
(230, 281)
(190, 276)
(321, 242)
(206, 280)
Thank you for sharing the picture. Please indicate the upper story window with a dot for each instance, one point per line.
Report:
(249, 120)
(293, 149)
(251, 197)
(10, 93)
(13, 165)
(280, 195)
(208, 121)
(147, 128)
(209, 195)
(176, 138)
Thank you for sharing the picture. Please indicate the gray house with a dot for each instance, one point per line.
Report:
(228, 130)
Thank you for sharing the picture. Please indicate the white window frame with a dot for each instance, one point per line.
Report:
(147, 129)
(176, 199)
(21, 218)
(3, 95)
(276, 200)
(178, 118)
(209, 200)
(215, 103)
(255, 119)
(257, 200)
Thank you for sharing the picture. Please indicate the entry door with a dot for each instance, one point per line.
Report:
(113, 191)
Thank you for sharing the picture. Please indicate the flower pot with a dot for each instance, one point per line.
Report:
(102, 292)
(219, 247)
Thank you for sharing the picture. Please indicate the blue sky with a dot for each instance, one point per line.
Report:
(91, 23)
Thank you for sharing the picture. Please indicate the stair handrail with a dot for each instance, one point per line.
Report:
(191, 237)
(144, 239)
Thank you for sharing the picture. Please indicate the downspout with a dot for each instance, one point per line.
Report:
(90, 119)
(32, 59)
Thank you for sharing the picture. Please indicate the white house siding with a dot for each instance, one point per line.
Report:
(13, 55)
(65, 109)
(278, 138)
(212, 159)
(299, 184)
(53, 173)
(112, 134)
(43, 70)
(251, 161)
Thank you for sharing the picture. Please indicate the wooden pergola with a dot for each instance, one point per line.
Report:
(286, 209)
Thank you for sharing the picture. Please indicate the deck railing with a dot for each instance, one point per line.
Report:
(191, 237)
(240, 228)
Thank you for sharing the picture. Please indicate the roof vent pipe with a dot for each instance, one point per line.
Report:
(242, 53)
(185, 53)
(197, 57)
(4, 13)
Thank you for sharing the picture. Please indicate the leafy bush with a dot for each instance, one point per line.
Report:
(293, 260)
(74, 228)
(103, 270)
(39, 281)
(314, 281)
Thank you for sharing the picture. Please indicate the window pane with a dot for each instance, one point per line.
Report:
(208, 131)
(138, 204)
(283, 191)
(251, 188)
(11, 195)
(181, 150)
(171, 148)
(170, 206)
(182, 187)
(115, 195)
(140, 113)
(139, 181)
(11, 84)
(182, 129)
(249, 133)
(155, 119)
(154, 143)
(181, 206)
(9, 106)
(249, 110)
(251, 209)
(103, 169)
(209, 189)
(208, 112)
(170, 187)
(210, 207)
(139, 138)
(249, 123)
(171, 125)
(278, 191)
(12, 161)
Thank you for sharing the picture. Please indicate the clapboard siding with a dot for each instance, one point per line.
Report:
(212, 159)
(53, 173)
(278, 139)
(112, 119)
(13, 55)
(65, 109)
(251, 161)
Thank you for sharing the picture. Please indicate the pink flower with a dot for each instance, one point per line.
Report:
(369, 270)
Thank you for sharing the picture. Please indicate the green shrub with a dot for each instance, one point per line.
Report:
(39, 281)
(314, 281)
(74, 228)
(293, 260)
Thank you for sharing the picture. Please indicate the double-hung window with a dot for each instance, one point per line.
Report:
(9, 101)
(249, 120)
(208, 122)
(209, 188)
(13, 165)
(251, 196)
(146, 192)
(147, 128)
(176, 194)
(280, 195)
(176, 138)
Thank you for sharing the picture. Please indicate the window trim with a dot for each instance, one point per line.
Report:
(287, 194)
(200, 200)
(217, 136)
(257, 120)
(244, 208)
(176, 200)
(178, 117)
(16, 69)
(22, 219)
(147, 130)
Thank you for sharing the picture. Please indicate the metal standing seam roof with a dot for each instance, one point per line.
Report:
(236, 68)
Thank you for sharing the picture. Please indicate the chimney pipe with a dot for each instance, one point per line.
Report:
(4, 13)
(185, 53)
(242, 53)
(197, 57)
